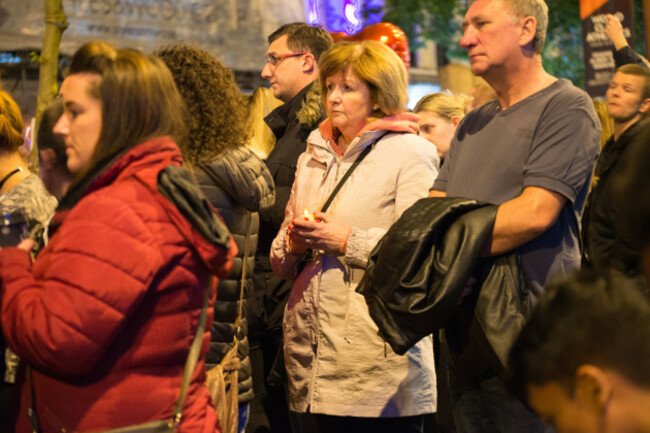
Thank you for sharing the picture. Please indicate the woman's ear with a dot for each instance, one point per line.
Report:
(456, 121)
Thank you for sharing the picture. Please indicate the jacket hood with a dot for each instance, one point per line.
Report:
(244, 176)
(312, 111)
(172, 186)
(402, 122)
(305, 108)
(206, 230)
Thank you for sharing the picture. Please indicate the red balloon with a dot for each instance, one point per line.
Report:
(339, 36)
(386, 33)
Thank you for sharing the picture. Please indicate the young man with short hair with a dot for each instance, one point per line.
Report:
(583, 359)
(608, 240)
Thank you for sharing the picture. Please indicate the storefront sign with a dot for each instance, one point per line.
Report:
(597, 48)
(235, 31)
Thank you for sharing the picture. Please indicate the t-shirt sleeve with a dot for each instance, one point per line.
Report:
(564, 148)
(440, 183)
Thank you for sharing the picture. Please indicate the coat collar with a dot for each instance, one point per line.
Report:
(613, 149)
(280, 118)
(160, 150)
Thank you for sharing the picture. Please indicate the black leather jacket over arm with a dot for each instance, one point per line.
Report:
(417, 272)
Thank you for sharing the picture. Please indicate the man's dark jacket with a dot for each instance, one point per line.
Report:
(626, 56)
(608, 240)
(417, 272)
(291, 124)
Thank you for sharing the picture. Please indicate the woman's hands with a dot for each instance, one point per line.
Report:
(324, 234)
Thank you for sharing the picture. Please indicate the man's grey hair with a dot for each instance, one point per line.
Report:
(536, 9)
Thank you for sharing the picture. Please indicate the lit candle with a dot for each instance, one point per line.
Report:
(309, 215)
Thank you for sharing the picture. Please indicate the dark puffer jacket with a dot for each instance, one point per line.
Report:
(239, 185)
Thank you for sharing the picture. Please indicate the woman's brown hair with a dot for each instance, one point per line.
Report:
(216, 113)
(139, 100)
(373, 63)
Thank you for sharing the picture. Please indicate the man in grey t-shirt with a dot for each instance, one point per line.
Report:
(531, 152)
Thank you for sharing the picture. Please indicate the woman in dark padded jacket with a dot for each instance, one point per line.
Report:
(233, 179)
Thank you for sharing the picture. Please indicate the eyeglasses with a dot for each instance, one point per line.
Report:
(275, 59)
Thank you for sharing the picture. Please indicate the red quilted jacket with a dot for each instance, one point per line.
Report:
(107, 312)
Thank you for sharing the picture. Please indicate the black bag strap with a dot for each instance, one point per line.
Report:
(192, 356)
(247, 252)
(31, 411)
(347, 174)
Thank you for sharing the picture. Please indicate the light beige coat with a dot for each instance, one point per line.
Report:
(336, 361)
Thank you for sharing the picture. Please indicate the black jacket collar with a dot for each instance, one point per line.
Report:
(280, 118)
(614, 148)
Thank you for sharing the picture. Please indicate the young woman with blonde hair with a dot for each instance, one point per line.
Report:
(439, 116)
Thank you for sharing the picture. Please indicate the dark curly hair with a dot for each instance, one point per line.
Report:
(217, 114)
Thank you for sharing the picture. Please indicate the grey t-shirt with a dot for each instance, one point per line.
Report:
(549, 140)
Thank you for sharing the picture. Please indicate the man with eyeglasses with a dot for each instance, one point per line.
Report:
(291, 68)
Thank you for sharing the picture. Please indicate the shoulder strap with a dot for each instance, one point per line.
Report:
(347, 174)
(31, 411)
(192, 358)
(249, 224)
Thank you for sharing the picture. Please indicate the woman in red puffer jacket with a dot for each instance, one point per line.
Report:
(106, 314)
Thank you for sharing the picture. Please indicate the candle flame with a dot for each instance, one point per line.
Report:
(309, 215)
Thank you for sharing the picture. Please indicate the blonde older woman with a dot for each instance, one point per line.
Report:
(439, 116)
(342, 375)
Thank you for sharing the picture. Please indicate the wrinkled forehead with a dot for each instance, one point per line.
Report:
(345, 73)
(481, 9)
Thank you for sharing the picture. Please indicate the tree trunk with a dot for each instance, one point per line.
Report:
(646, 20)
(55, 24)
